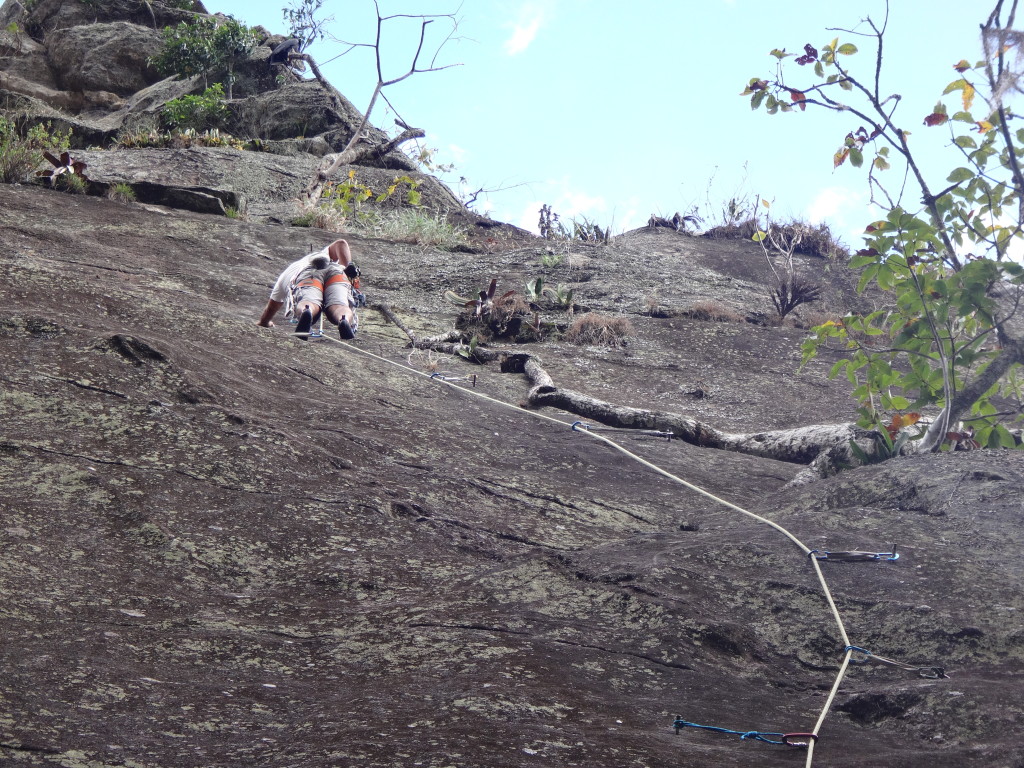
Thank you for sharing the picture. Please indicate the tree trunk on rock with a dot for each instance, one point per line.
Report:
(824, 448)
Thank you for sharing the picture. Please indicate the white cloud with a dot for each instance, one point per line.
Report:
(530, 18)
(565, 201)
(528, 216)
(827, 204)
(845, 211)
(458, 153)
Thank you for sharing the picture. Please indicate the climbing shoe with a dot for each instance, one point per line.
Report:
(345, 330)
(305, 323)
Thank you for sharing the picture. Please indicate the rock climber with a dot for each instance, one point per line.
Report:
(325, 280)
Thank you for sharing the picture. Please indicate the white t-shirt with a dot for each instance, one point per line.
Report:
(283, 285)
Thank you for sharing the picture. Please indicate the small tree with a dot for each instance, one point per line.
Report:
(204, 47)
(232, 42)
(788, 290)
(196, 112)
(954, 332)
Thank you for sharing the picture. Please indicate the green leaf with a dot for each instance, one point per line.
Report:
(866, 277)
(960, 174)
(965, 142)
(858, 453)
(847, 49)
(759, 236)
(856, 157)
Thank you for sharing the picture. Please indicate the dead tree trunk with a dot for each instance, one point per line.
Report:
(822, 447)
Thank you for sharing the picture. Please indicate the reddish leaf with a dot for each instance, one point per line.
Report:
(798, 99)
(961, 66)
(810, 54)
(936, 118)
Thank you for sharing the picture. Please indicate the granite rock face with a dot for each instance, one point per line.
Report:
(223, 546)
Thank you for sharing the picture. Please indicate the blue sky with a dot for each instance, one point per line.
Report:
(615, 110)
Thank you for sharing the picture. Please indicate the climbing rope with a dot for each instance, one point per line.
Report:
(814, 556)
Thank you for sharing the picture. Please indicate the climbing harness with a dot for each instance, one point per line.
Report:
(932, 673)
(582, 425)
(803, 739)
(855, 556)
(787, 739)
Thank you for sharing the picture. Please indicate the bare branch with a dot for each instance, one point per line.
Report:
(350, 153)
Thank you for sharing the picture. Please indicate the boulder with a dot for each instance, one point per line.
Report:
(302, 109)
(23, 59)
(104, 57)
(293, 110)
(40, 18)
(68, 101)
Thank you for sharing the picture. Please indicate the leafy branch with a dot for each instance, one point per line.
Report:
(953, 333)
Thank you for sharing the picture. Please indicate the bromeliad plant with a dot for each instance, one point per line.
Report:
(64, 169)
(954, 337)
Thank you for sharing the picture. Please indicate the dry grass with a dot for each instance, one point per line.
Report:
(811, 318)
(512, 304)
(817, 241)
(742, 231)
(599, 330)
(713, 311)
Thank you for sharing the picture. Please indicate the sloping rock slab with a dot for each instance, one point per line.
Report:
(225, 547)
(259, 184)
